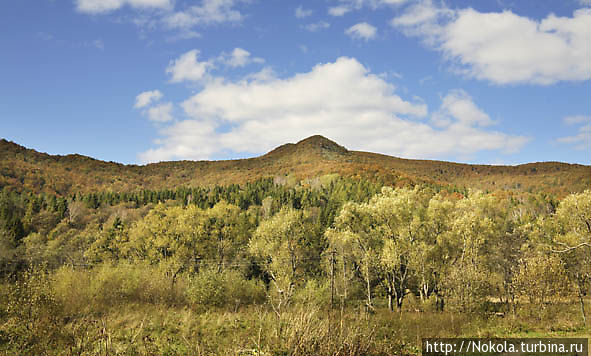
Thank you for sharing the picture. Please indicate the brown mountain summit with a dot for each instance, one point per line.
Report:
(26, 169)
(314, 146)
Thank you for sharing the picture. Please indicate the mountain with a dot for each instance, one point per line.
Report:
(24, 169)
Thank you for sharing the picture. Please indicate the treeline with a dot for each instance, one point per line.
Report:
(471, 250)
(282, 245)
(29, 221)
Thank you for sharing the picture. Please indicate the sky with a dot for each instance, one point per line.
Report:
(140, 81)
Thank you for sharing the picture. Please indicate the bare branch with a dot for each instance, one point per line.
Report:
(570, 248)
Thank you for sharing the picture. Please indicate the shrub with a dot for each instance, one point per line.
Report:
(82, 290)
(31, 317)
(228, 288)
(314, 293)
(542, 279)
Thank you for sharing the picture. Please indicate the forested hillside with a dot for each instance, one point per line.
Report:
(24, 169)
(310, 249)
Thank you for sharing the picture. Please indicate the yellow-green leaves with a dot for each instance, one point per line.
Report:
(573, 220)
(280, 245)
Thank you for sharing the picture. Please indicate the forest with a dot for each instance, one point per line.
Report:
(324, 266)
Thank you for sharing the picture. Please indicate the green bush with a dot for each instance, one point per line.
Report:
(31, 319)
(314, 293)
(229, 288)
(104, 286)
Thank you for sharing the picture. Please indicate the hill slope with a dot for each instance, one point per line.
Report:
(26, 169)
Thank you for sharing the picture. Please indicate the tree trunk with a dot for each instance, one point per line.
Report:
(398, 296)
(390, 304)
(399, 303)
(423, 299)
(439, 302)
(345, 283)
(368, 293)
(582, 304)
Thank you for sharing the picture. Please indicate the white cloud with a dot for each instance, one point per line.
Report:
(350, 5)
(165, 16)
(264, 75)
(160, 113)
(458, 106)
(146, 98)
(180, 142)
(155, 113)
(362, 30)
(240, 58)
(100, 44)
(188, 68)
(184, 35)
(577, 119)
(338, 10)
(582, 140)
(316, 26)
(391, 2)
(585, 2)
(504, 47)
(104, 6)
(341, 100)
(209, 12)
(422, 19)
(301, 13)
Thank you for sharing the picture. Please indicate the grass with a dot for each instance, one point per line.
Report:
(106, 312)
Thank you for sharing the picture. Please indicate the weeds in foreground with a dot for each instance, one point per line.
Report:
(136, 312)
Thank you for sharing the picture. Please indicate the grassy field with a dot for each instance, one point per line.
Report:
(136, 311)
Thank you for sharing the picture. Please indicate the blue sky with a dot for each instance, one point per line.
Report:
(137, 81)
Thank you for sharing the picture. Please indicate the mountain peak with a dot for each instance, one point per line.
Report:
(322, 143)
(313, 145)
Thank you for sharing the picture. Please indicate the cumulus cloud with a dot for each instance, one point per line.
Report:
(301, 13)
(457, 106)
(146, 98)
(189, 139)
(342, 100)
(209, 12)
(156, 113)
(582, 140)
(240, 58)
(362, 30)
(165, 16)
(160, 113)
(188, 68)
(104, 6)
(503, 47)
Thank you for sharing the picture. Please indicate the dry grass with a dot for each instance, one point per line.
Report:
(133, 311)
